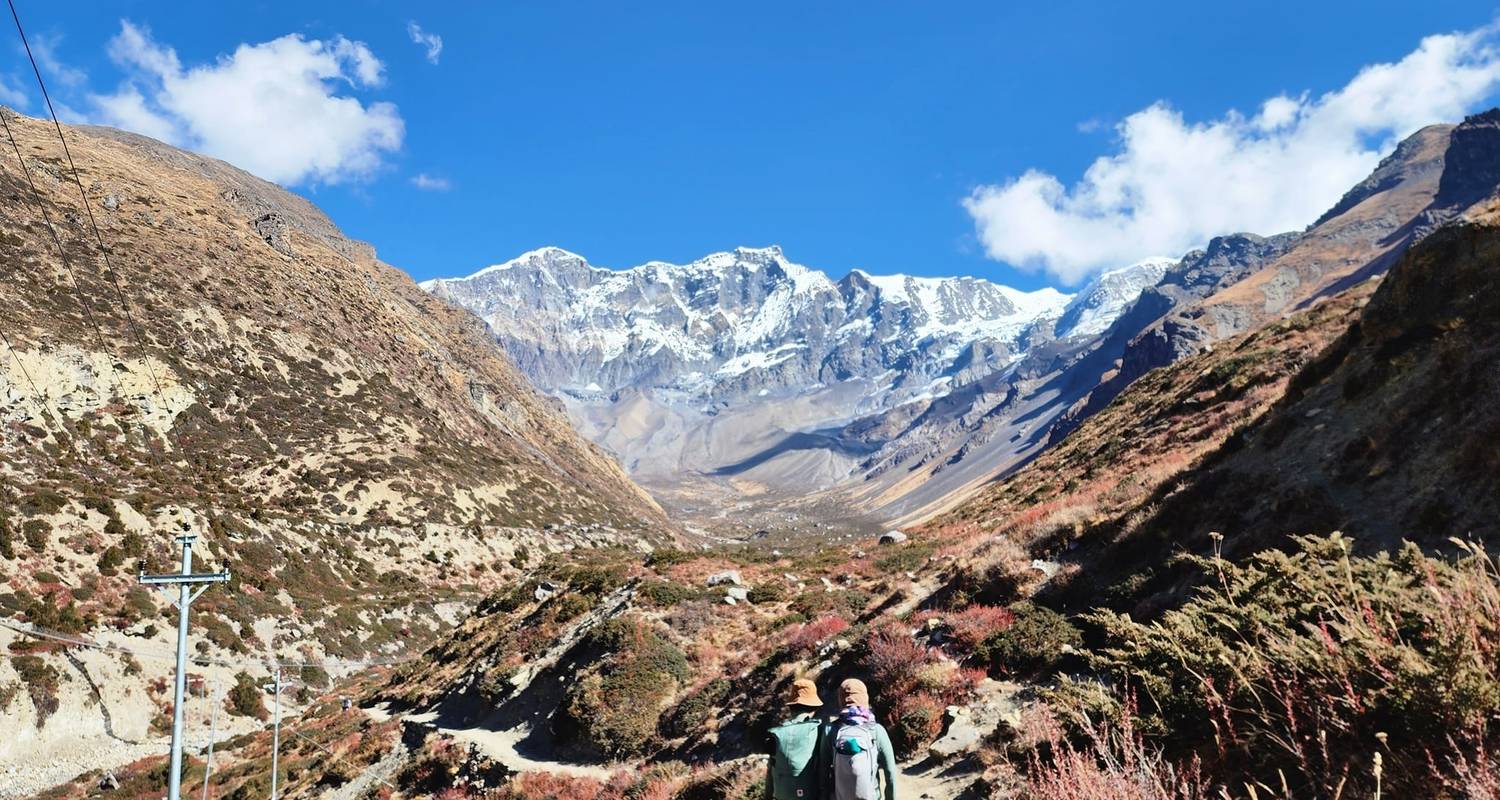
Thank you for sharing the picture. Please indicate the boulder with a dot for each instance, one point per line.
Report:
(1047, 568)
(892, 537)
(996, 704)
(731, 576)
(738, 594)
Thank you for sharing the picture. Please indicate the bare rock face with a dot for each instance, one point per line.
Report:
(273, 229)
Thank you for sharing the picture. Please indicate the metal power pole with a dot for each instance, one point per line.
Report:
(184, 581)
(275, 687)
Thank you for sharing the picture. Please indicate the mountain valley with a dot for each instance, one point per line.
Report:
(1132, 520)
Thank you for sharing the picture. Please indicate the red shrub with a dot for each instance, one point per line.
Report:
(550, 786)
(893, 660)
(962, 685)
(915, 719)
(810, 636)
(974, 624)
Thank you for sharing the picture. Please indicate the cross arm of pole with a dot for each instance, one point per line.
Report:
(192, 577)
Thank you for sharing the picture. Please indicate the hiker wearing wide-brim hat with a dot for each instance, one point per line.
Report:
(857, 749)
(797, 767)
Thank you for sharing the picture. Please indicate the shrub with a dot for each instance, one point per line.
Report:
(915, 720)
(809, 637)
(570, 606)
(36, 532)
(668, 556)
(968, 628)
(594, 580)
(1035, 642)
(50, 612)
(41, 681)
(495, 685)
(906, 558)
(1112, 762)
(1291, 662)
(893, 660)
(616, 705)
(767, 593)
(694, 710)
(844, 602)
(245, 698)
(110, 560)
(665, 594)
(44, 501)
(552, 786)
(508, 600)
(315, 676)
(7, 535)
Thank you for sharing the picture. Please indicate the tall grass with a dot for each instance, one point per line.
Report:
(1314, 672)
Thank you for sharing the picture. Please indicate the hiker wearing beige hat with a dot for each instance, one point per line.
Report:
(858, 750)
(797, 768)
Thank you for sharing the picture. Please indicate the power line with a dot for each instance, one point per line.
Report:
(88, 308)
(338, 757)
(42, 633)
(40, 400)
(109, 268)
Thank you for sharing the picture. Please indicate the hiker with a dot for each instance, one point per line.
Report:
(859, 752)
(797, 769)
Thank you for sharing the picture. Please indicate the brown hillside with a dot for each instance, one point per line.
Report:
(299, 373)
(360, 455)
(1392, 433)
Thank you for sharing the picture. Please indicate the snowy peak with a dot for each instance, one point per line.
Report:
(1108, 295)
(749, 321)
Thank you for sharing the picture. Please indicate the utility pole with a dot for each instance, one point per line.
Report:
(183, 580)
(275, 688)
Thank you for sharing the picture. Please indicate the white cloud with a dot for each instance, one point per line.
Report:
(430, 42)
(11, 94)
(431, 183)
(273, 108)
(127, 108)
(1173, 184)
(44, 47)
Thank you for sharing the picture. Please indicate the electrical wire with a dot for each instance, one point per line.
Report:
(40, 400)
(109, 269)
(36, 196)
(338, 757)
(42, 633)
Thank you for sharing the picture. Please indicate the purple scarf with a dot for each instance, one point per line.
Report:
(857, 715)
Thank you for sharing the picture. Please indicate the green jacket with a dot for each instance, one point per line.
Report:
(886, 762)
(820, 768)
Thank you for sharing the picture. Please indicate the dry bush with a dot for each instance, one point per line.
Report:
(1065, 521)
(1113, 762)
(1292, 663)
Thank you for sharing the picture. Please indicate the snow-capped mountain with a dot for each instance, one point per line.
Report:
(748, 323)
(746, 367)
(1095, 308)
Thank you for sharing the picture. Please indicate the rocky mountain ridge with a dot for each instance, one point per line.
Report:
(741, 358)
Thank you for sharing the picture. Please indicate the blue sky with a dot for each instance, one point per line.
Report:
(849, 133)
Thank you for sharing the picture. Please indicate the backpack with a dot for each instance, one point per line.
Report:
(856, 759)
(794, 759)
